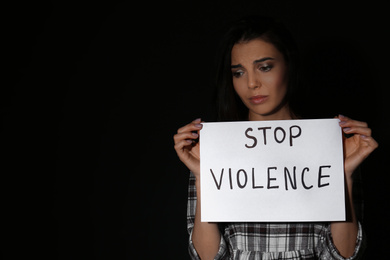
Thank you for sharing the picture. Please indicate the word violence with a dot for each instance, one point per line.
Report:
(242, 179)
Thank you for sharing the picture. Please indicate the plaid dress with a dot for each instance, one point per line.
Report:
(266, 241)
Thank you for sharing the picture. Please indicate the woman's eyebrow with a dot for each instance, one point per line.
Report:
(236, 66)
(263, 59)
(254, 62)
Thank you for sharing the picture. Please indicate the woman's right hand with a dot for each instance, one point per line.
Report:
(186, 147)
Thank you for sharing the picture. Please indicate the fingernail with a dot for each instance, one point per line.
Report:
(341, 116)
(363, 136)
(197, 120)
(198, 125)
(347, 129)
(194, 134)
(342, 123)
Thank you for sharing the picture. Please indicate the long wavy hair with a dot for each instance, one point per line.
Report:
(229, 105)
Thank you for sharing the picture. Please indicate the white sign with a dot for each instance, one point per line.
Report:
(271, 171)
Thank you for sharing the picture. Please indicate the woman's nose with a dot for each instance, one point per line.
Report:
(253, 82)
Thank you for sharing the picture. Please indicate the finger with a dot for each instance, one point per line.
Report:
(369, 145)
(179, 146)
(185, 135)
(347, 122)
(357, 130)
(369, 141)
(193, 126)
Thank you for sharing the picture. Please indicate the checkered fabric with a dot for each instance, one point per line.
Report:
(266, 241)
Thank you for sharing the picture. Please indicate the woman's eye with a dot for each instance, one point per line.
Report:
(265, 68)
(238, 73)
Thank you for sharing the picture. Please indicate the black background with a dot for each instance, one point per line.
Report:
(95, 91)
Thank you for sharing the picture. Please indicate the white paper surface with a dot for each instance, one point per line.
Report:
(247, 171)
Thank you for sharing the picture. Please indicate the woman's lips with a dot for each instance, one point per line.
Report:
(259, 99)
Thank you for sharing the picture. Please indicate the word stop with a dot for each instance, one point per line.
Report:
(279, 134)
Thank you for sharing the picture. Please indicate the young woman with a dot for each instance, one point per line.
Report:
(257, 74)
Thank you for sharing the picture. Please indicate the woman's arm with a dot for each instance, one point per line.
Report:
(356, 149)
(344, 234)
(205, 236)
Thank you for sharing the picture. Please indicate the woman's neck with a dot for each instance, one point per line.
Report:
(282, 114)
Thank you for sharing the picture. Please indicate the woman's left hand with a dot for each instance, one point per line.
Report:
(357, 147)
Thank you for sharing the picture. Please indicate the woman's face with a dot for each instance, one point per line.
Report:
(260, 79)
